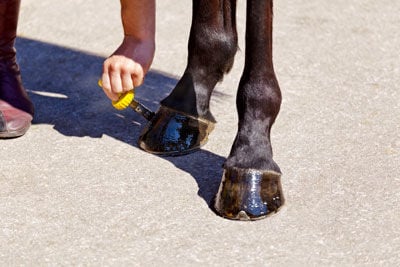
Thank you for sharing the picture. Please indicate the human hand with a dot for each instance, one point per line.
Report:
(127, 67)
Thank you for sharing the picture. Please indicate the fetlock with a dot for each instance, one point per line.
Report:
(190, 97)
(251, 151)
(212, 48)
(258, 104)
(206, 67)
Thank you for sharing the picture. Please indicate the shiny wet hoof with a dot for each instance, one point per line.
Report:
(13, 122)
(248, 194)
(173, 133)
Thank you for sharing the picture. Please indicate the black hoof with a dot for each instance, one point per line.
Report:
(173, 133)
(248, 194)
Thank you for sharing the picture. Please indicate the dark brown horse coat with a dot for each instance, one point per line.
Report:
(250, 187)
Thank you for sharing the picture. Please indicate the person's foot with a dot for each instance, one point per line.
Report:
(16, 109)
(13, 122)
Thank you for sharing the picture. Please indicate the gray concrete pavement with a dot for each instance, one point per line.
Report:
(76, 190)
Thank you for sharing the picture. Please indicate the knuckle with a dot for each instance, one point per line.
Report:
(115, 66)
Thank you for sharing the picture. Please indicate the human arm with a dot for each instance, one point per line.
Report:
(128, 65)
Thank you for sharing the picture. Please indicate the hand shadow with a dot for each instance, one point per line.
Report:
(62, 84)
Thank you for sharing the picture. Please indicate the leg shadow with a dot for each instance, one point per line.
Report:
(206, 169)
(62, 84)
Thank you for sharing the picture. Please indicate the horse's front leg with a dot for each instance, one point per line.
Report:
(250, 187)
(184, 120)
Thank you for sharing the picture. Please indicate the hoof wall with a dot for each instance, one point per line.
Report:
(173, 133)
(248, 194)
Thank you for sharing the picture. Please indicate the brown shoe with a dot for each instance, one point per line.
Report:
(13, 122)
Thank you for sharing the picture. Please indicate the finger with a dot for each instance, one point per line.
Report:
(115, 81)
(137, 75)
(127, 83)
(107, 87)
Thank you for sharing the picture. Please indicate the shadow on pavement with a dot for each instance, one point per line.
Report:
(62, 84)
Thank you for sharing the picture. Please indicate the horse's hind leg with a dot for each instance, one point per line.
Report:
(251, 188)
(184, 120)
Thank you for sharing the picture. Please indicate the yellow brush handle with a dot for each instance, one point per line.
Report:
(124, 99)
